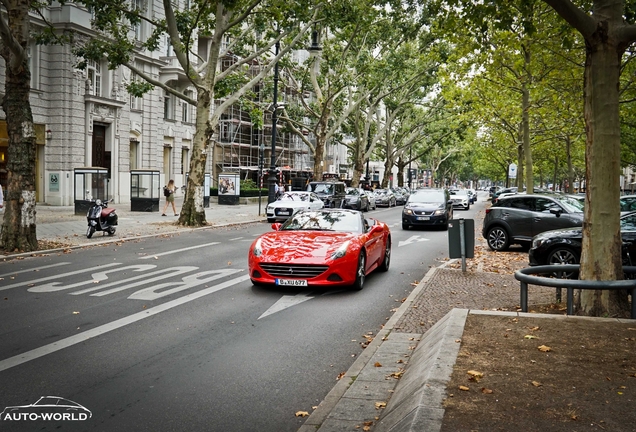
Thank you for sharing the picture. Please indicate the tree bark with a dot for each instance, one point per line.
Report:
(19, 229)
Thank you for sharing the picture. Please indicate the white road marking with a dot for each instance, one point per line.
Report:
(34, 269)
(95, 278)
(286, 302)
(412, 239)
(57, 276)
(145, 279)
(178, 250)
(105, 328)
(236, 238)
(190, 281)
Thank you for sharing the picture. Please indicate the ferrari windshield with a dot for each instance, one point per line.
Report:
(336, 220)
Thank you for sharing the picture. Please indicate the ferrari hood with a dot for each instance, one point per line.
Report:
(302, 246)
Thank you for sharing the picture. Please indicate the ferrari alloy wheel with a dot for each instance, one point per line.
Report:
(386, 262)
(90, 231)
(498, 239)
(360, 272)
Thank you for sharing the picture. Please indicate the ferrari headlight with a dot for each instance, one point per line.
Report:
(342, 251)
(258, 249)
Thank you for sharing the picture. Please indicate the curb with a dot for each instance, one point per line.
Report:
(316, 419)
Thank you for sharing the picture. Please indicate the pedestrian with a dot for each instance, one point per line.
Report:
(1, 198)
(277, 190)
(168, 192)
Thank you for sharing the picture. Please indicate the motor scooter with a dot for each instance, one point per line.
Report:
(101, 218)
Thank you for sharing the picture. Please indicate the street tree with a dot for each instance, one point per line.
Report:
(246, 30)
(608, 30)
(18, 226)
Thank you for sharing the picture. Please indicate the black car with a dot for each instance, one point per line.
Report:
(564, 246)
(518, 218)
(356, 199)
(332, 193)
(427, 207)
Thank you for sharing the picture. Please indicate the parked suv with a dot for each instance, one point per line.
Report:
(518, 218)
(332, 193)
(430, 207)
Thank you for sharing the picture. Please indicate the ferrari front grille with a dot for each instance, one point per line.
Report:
(300, 271)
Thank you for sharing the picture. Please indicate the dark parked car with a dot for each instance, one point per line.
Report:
(356, 199)
(332, 193)
(564, 246)
(496, 194)
(400, 196)
(427, 207)
(518, 218)
(384, 198)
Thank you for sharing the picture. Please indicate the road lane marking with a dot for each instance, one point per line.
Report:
(236, 238)
(145, 279)
(178, 250)
(95, 278)
(286, 302)
(187, 282)
(114, 325)
(57, 276)
(34, 269)
(412, 239)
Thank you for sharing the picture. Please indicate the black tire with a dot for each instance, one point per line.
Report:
(405, 226)
(90, 231)
(498, 238)
(468, 208)
(386, 261)
(360, 272)
(332, 205)
(111, 231)
(271, 220)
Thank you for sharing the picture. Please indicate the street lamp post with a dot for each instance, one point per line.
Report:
(271, 181)
(410, 174)
(369, 157)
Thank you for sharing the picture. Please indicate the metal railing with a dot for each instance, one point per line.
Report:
(527, 276)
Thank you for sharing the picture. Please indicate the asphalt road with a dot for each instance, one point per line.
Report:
(168, 333)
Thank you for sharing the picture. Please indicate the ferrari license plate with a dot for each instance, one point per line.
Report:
(291, 282)
(423, 218)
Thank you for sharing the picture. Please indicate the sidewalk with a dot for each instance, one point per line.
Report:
(57, 224)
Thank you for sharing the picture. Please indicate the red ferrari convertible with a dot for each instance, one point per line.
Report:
(329, 247)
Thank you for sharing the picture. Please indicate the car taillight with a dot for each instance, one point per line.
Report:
(488, 210)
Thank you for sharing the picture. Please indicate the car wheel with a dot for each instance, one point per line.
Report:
(498, 239)
(111, 231)
(360, 272)
(563, 255)
(468, 207)
(386, 262)
(271, 220)
(332, 205)
(90, 231)
(405, 226)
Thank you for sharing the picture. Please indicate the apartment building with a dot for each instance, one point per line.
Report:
(85, 118)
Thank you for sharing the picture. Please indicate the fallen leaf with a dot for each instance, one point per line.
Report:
(544, 348)
(340, 375)
(536, 383)
(485, 390)
(530, 337)
(302, 413)
(75, 312)
(377, 364)
(379, 405)
(464, 388)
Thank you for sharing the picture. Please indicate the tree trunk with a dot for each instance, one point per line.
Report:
(18, 228)
(601, 258)
(525, 120)
(568, 155)
(192, 213)
(401, 164)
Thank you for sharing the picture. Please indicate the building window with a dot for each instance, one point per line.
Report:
(33, 52)
(134, 148)
(168, 46)
(168, 106)
(138, 5)
(184, 160)
(136, 103)
(94, 72)
(186, 109)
